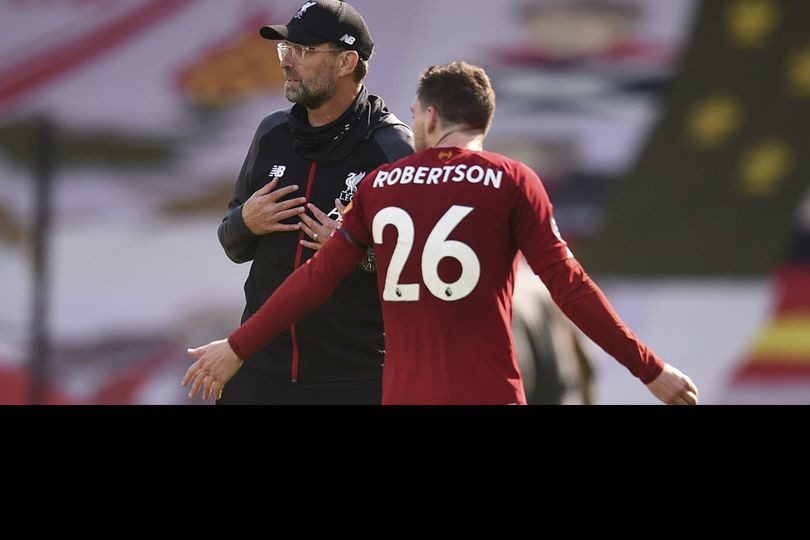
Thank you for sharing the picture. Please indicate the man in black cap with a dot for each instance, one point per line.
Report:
(303, 166)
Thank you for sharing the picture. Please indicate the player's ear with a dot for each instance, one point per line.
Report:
(432, 119)
(348, 61)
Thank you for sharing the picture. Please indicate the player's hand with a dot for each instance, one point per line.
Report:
(320, 228)
(216, 364)
(264, 210)
(674, 388)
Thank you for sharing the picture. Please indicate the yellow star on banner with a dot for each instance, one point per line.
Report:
(750, 22)
(711, 121)
(764, 165)
(798, 71)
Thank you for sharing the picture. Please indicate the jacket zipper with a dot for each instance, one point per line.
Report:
(298, 253)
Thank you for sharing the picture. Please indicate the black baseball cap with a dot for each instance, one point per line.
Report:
(320, 21)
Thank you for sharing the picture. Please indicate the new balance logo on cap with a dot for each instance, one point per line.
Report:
(303, 9)
(348, 39)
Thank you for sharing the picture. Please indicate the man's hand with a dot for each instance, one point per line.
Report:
(321, 229)
(674, 388)
(216, 364)
(264, 211)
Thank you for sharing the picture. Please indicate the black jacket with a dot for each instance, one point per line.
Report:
(341, 344)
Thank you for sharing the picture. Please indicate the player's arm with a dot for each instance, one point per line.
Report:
(581, 299)
(304, 290)
(584, 303)
(235, 234)
(236, 238)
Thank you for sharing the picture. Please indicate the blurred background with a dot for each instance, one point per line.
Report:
(672, 137)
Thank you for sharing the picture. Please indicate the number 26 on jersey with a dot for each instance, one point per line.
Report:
(437, 247)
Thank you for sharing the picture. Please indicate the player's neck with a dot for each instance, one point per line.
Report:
(334, 108)
(461, 138)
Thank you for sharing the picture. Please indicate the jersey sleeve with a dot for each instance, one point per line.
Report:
(532, 222)
(584, 303)
(304, 290)
(571, 288)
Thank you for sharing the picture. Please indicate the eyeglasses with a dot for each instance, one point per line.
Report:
(298, 51)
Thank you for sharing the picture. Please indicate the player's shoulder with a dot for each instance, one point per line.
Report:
(502, 161)
(272, 121)
(394, 138)
(515, 172)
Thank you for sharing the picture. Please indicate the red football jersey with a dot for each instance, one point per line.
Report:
(446, 225)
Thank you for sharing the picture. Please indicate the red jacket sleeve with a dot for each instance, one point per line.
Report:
(585, 304)
(304, 290)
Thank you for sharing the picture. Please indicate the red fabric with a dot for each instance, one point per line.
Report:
(584, 303)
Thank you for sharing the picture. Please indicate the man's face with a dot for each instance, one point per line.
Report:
(419, 125)
(312, 81)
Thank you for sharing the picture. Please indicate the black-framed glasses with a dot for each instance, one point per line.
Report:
(298, 51)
